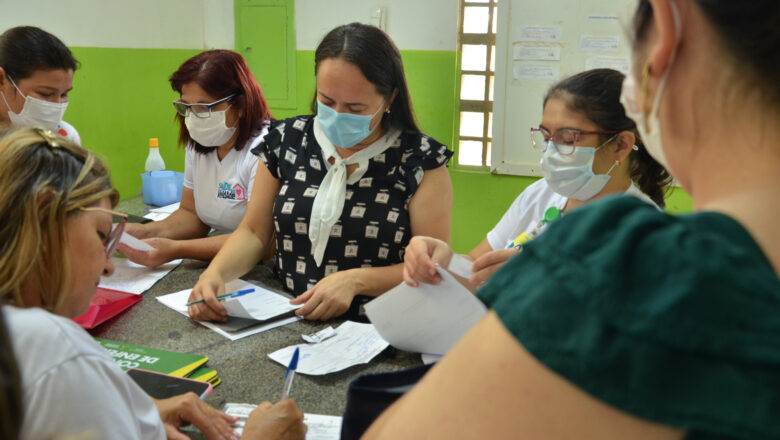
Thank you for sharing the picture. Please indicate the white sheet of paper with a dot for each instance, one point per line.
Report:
(426, 319)
(460, 266)
(529, 73)
(353, 344)
(545, 34)
(320, 336)
(534, 53)
(135, 278)
(178, 302)
(135, 243)
(261, 304)
(321, 427)
(156, 216)
(167, 208)
(428, 358)
(593, 43)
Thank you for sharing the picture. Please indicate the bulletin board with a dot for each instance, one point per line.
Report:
(538, 43)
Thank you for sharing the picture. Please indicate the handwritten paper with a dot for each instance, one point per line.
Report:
(178, 302)
(426, 319)
(135, 278)
(353, 344)
(320, 427)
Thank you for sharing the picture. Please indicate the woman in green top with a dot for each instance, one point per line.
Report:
(622, 322)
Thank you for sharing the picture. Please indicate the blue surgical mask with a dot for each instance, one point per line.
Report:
(344, 130)
(572, 175)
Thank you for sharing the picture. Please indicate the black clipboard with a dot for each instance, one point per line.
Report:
(235, 324)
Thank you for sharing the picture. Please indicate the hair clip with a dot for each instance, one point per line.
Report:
(49, 137)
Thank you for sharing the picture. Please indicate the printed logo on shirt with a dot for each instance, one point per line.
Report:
(392, 216)
(300, 266)
(315, 163)
(290, 156)
(348, 194)
(300, 175)
(299, 124)
(287, 244)
(383, 252)
(289, 282)
(382, 197)
(399, 236)
(335, 231)
(351, 250)
(288, 206)
(235, 192)
(379, 158)
(300, 227)
(366, 182)
(358, 212)
(372, 231)
(310, 192)
(283, 189)
(331, 269)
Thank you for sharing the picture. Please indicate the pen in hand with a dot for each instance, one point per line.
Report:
(225, 296)
(290, 374)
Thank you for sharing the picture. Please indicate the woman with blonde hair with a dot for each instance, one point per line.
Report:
(55, 240)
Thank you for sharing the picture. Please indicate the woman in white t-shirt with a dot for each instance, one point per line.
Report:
(590, 150)
(55, 243)
(36, 76)
(222, 115)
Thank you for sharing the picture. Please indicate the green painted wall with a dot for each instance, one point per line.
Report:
(121, 98)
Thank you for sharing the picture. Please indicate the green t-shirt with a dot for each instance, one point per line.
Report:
(674, 319)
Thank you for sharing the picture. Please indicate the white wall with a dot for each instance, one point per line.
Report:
(202, 24)
(412, 24)
(177, 24)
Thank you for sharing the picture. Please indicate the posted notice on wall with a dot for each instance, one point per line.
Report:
(539, 34)
(592, 43)
(537, 53)
(538, 72)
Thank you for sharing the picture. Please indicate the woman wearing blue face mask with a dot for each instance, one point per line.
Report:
(589, 149)
(222, 115)
(621, 321)
(36, 75)
(342, 191)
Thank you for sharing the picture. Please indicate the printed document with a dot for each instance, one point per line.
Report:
(135, 278)
(426, 319)
(353, 344)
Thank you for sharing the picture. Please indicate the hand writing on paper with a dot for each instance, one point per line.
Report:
(209, 286)
(423, 255)
(329, 298)
(189, 408)
(165, 251)
(487, 263)
(281, 421)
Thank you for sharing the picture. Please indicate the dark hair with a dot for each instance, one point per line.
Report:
(749, 31)
(596, 94)
(222, 73)
(27, 49)
(375, 54)
(11, 410)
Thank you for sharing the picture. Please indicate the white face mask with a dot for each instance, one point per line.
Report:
(650, 126)
(572, 175)
(36, 111)
(211, 131)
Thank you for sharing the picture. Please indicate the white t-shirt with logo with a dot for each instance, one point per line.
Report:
(527, 211)
(222, 188)
(71, 386)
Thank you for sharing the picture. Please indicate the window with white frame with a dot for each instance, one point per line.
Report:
(477, 45)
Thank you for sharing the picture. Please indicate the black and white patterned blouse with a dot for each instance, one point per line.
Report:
(374, 227)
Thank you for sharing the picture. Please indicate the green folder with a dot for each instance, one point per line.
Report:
(162, 361)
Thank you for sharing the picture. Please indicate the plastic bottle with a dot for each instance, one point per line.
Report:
(154, 162)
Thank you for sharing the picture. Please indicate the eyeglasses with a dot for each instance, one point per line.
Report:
(116, 232)
(564, 139)
(200, 110)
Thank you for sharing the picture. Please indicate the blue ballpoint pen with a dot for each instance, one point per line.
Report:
(290, 374)
(225, 296)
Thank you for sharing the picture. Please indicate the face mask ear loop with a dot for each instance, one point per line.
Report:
(617, 162)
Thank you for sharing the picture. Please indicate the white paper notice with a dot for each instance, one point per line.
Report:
(542, 53)
(178, 302)
(320, 427)
(426, 319)
(135, 278)
(591, 43)
(620, 64)
(135, 243)
(353, 344)
(261, 304)
(546, 73)
(543, 34)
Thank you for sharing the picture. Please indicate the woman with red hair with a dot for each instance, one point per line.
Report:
(222, 115)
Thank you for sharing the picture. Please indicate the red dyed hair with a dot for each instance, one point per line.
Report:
(221, 73)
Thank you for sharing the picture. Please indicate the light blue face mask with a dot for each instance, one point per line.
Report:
(572, 175)
(344, 130)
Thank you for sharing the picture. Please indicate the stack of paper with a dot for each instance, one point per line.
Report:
(352, 344)
(426, 319)
(262, 310)
(320, 427)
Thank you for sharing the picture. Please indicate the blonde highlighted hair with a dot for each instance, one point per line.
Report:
(44, 178)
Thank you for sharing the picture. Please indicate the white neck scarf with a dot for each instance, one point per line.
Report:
(329, 201)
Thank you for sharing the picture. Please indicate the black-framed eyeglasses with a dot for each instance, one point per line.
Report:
(116, 231)
(200, 110)
(564, 139)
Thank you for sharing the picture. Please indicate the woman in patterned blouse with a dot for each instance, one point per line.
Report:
(344, 191)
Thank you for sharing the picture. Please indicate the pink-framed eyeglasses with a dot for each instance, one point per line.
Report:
(564, 139)
(116, 232)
